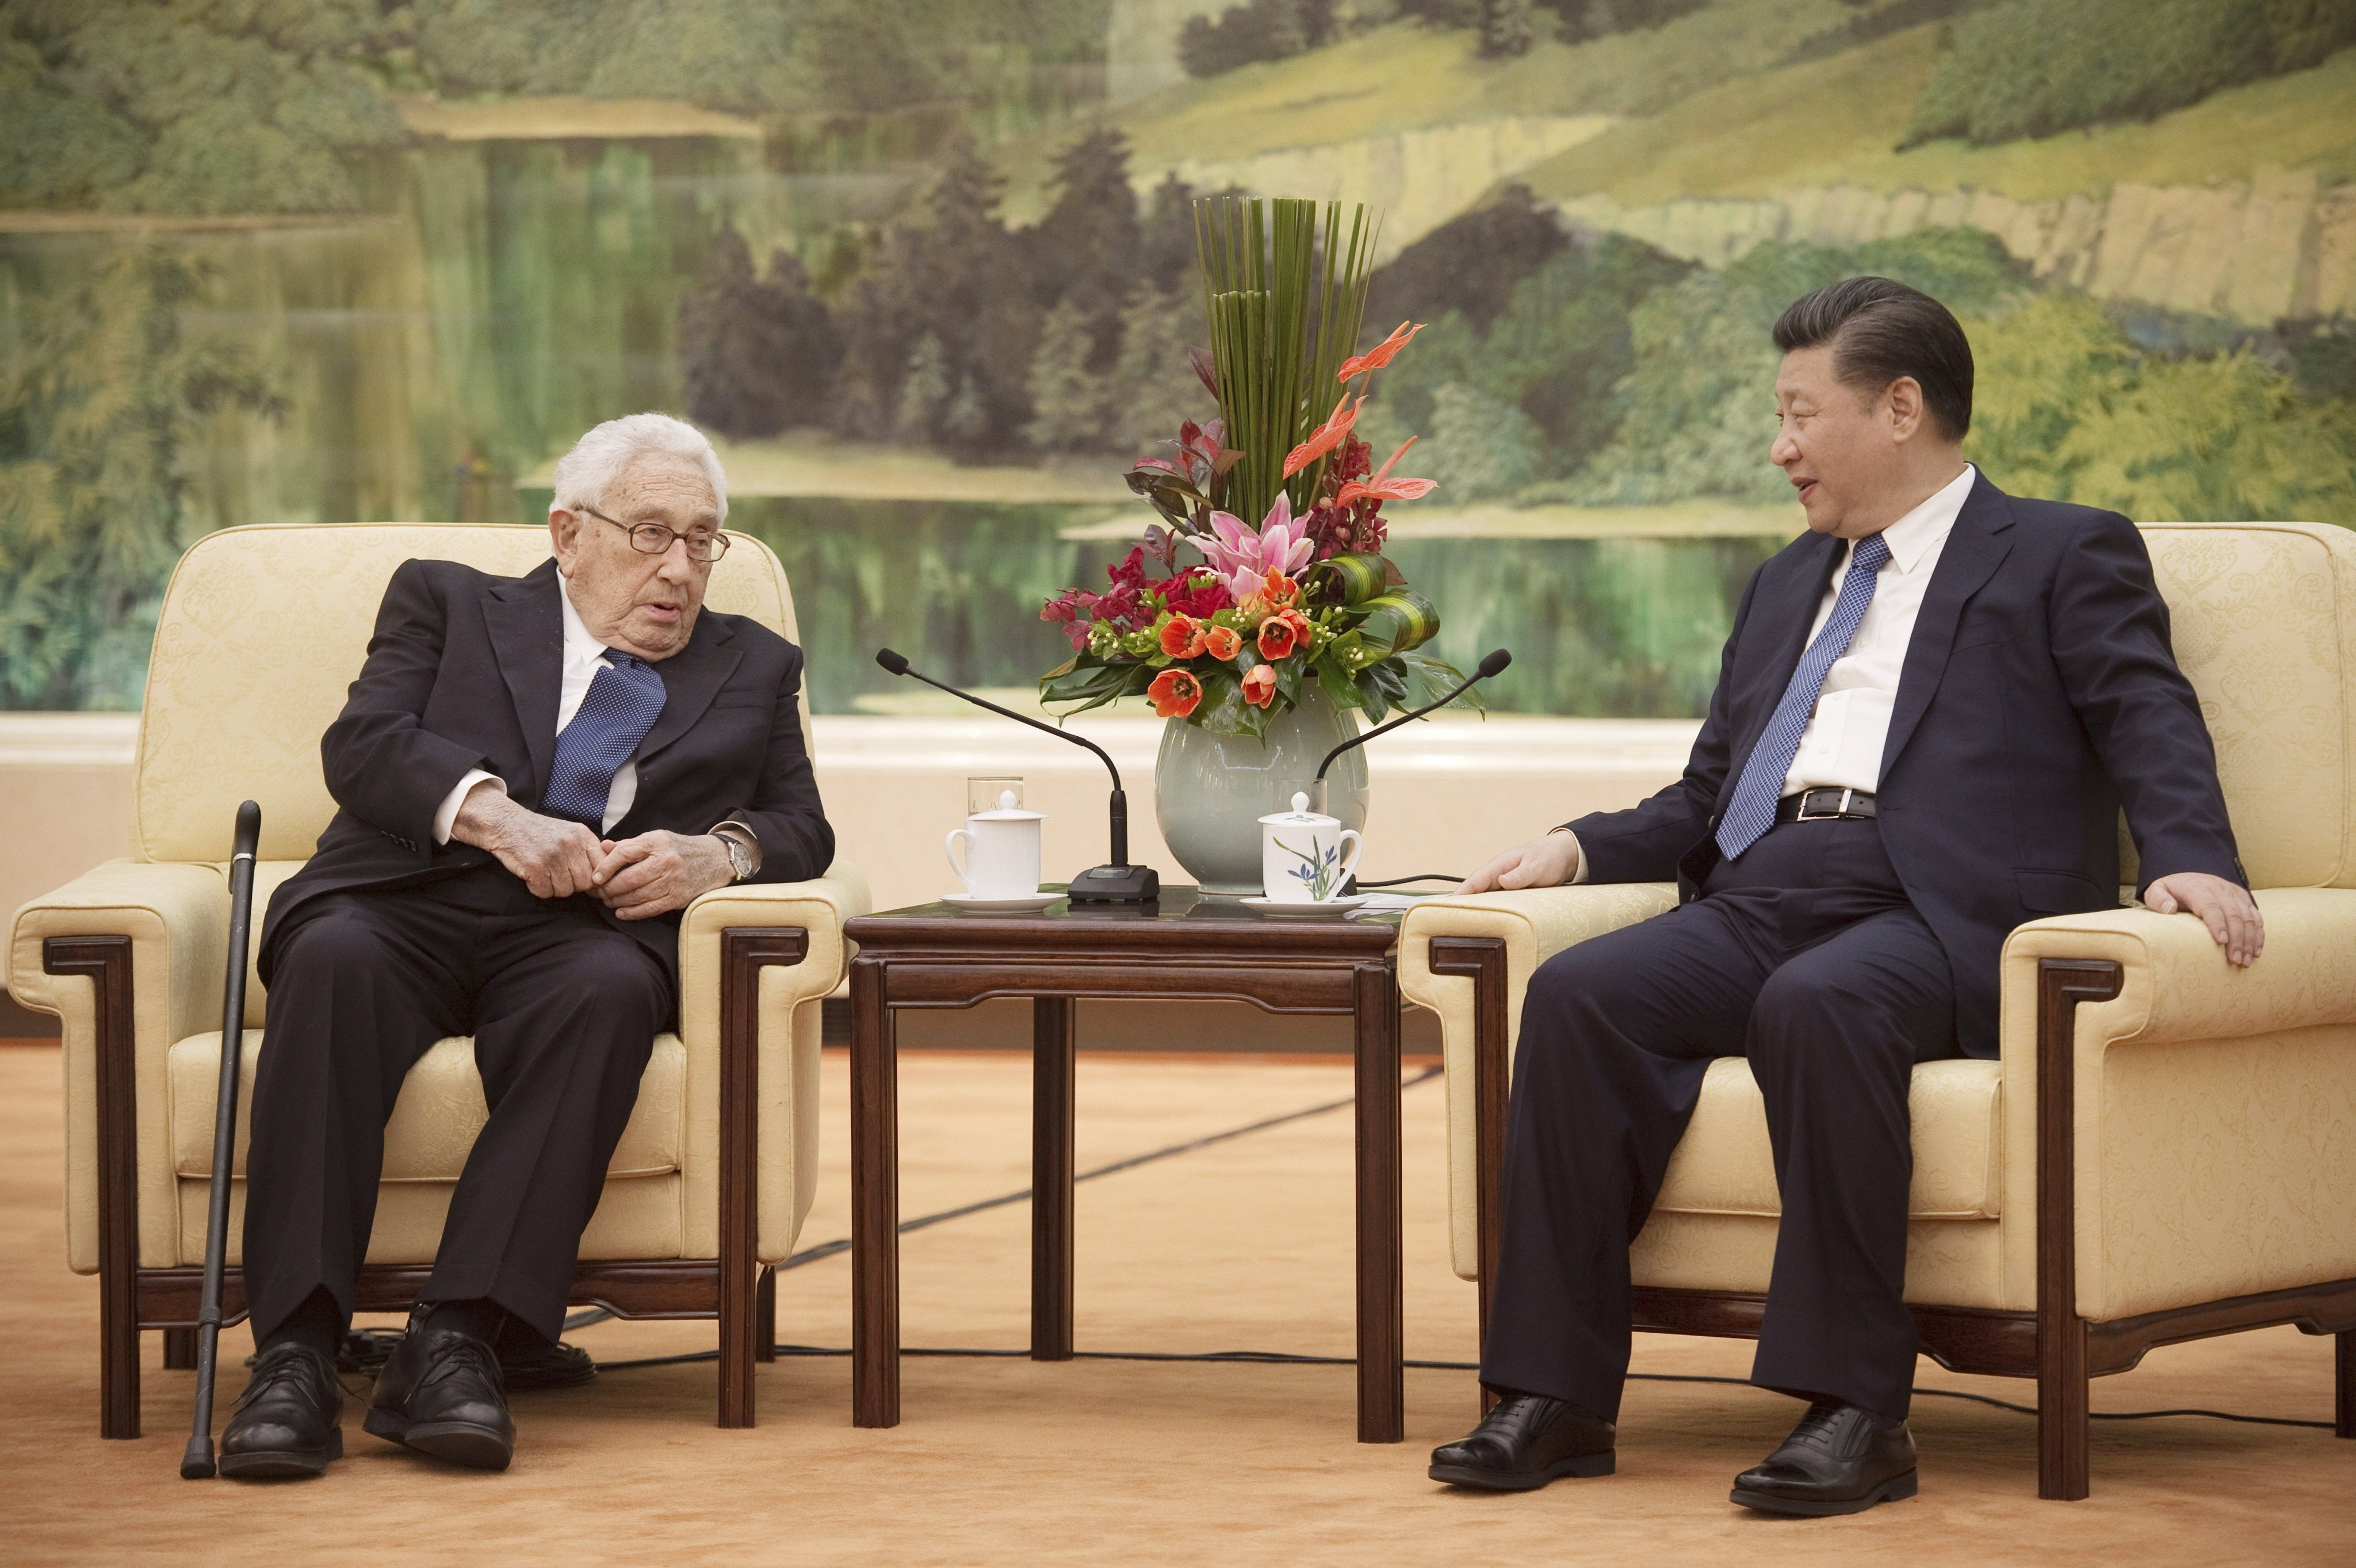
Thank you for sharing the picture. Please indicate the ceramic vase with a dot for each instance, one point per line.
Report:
(1211, 791)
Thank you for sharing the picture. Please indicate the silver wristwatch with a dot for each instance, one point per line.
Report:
(740, 857)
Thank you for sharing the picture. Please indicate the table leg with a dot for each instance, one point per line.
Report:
(1053, 1038)
(874, 1202)
(1382, 1329)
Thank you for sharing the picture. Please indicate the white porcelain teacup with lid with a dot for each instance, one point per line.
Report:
(1300, 856)
(1002, 854)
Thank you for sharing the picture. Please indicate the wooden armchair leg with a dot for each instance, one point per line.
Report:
(2343, 1408)
(180, 1349)
(744, 1328)
(1482, 960)
(2062, 1421)
(765, 1317)
(2061, 1412)
(118, 1362)
(107, 962)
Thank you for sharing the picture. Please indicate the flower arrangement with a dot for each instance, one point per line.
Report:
(1304, 596)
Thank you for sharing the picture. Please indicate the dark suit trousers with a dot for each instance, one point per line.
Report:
(1804, 956)
(563, 1009)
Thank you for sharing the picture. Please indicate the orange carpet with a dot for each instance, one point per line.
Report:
(1244, 1245)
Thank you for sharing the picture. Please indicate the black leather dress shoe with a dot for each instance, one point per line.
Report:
(285, 1423)
(441, 1393)
(1836, 1461)
(1527, 1441)
(548, 1365)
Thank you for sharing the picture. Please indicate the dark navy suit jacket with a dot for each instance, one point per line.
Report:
(2037, 696)
(465, 671)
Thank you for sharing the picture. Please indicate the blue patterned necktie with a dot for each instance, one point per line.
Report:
(1752, 810)
(623, 699)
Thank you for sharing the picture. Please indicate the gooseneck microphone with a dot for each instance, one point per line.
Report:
(1116, 883)
(1496, 660)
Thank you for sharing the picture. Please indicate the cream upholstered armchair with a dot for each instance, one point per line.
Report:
(2165, 1148)
(262, 628)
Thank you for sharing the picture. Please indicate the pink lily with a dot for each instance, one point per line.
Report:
(1383, 488)
(1243, 557)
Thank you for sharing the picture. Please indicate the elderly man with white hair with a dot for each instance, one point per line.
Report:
(534, 776)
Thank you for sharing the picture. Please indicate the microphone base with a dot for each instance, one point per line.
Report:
(1116, 884)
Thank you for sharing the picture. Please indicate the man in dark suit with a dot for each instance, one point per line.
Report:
(1931, 710)
(535, 776)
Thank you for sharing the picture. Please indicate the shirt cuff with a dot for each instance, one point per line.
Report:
(732, 829)
(446, 816)
(1580, 875)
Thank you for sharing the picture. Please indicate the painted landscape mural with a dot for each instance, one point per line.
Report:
(926, 268)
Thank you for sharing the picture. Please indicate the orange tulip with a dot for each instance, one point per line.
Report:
(1280, 633)
(1260, 686)
(1175, 693)
(1182, 637)
(1383, 488)
(1381, 354)
(1222, 642)
(1326, 437)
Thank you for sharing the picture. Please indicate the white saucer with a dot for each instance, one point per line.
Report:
(1331, 910)
(1022, 904)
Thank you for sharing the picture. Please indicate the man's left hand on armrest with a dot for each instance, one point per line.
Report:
(659, 872)
(2225, 908)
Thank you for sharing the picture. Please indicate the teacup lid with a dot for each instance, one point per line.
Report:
(1301, 813)
(1008, 812)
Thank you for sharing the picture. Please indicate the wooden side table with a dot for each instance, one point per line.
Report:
(1184, 947)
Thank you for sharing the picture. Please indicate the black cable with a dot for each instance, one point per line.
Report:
(1403, 881)
(824, 1250)
(1287, 1359)
(1280, 1358)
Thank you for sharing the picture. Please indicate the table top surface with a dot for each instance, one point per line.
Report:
(1181, 919)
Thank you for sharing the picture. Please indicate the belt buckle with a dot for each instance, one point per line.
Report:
(1839, 810)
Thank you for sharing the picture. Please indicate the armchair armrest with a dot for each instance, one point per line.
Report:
(1469, 959)
(155, 932)
(765, 983)
(2175, 982)
(2172, 1120)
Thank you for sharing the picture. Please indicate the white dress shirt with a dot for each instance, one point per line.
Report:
(584, 657)
(1843, 744)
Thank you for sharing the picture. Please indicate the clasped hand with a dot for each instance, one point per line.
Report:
(637, 878)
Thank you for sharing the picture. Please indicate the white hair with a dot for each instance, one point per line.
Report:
(599, 458)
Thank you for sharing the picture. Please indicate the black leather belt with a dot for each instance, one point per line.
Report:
(1824, 805)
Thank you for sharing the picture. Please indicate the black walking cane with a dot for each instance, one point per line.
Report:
(197, 1464)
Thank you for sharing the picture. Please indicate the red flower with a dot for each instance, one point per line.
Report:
(1182, 638)
(1222, 642)
(1260, 686)
(1175, 694)
(1280, 633)
(1198, 593)
(1381, 354)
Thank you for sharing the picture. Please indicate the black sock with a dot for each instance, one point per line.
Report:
(317, 1325)
(519, 1341)
(481, 1317)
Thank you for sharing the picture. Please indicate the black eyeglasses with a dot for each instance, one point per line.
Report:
(654, 539)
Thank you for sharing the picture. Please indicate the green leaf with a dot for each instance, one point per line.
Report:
(1223, 704)
(1428, 679)
(1338, 684)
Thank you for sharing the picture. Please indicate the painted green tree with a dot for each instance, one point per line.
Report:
(100, 397)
